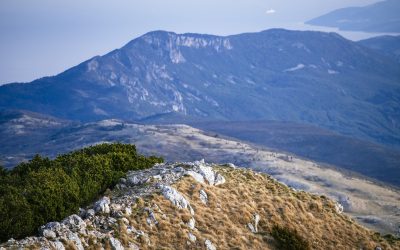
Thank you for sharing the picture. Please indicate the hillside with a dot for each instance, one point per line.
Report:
(382, 16)
(299, 76)
(388, 45)
(374, 205)
(201, 206)
(311, 142)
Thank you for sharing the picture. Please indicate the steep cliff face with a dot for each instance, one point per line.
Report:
(195, 205)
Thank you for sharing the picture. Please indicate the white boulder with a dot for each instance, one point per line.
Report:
(203, 197)
(116, 244)
(176, 198)
(102, 205)
(192, 223)
(209, 245)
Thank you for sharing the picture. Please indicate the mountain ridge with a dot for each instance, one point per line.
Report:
(282, 73)
(200, 205)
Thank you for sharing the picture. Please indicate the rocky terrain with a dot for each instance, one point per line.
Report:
(195, 205)
(374, 205)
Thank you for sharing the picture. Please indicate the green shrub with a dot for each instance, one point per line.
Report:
(44, 190)
(287, 239)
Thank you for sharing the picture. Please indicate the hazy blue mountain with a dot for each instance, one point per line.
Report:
(388, 45)
(300, 76)
(378, 17)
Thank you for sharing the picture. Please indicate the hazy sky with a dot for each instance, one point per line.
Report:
(45, 37)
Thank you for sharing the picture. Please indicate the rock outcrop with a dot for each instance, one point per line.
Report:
(195, 205)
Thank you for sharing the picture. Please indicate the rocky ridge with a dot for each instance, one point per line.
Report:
(195, 205)
(99, 220)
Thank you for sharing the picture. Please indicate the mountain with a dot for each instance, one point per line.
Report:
(370, 202)
(194, 205)
(24, 134)
(321, 145)
(388, 45)
(300, 76)
(382, 16)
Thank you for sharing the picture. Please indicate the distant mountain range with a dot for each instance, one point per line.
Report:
(388, 45)
(382, 16)
(300, 76)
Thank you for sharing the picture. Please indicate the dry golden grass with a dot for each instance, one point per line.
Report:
(232, 206)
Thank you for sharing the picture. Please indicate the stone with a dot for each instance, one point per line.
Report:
(115, 207)
(74, 223)
(128, 211)
(74, 238)
(48, 234)
(198, 177)
(231, 165)
(256, 218)
(57, 245)
(102, 205)
(176, 198)
(207, 173)
(203, 197)
(89, 213)
(209, 245)
(192, 237)
(152, 217)
(251, 227)
(339, 208)
(56, 227)
(219, 179)
(115, 244)
(191, 223)
(134, 180)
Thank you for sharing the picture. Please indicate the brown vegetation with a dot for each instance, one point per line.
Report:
(307, 221)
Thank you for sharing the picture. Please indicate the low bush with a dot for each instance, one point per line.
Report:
(288, 239)
(44, 190)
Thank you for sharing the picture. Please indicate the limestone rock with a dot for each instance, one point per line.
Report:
(198, 177)
(207, 173)
(74, 238)
(115, 244)
(176, 198)
(209, 245)
(339, 208)
(57, 245)
(203, 197)
(102, 205)
(192, 237)
(192, 223)
(48, 234)
(74, 223)
(219, 179)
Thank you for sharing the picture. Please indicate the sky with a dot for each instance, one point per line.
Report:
(45, 37)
